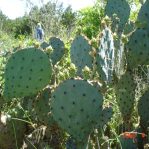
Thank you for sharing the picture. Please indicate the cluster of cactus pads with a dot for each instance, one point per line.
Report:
(77, 105)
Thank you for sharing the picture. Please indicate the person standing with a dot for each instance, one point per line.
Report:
(39, 33)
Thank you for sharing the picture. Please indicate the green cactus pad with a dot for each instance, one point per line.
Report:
(70, 144)
(125, 94)
(143, 109)
(127, 143)
(76, 104)
(129, 27)
(120, 9)
(79, 52)
(143, 16)
(44, 45)
(27, 71)
(58, 49)
(105, 56)
(105, 116)
(42, 107)
(138, 48)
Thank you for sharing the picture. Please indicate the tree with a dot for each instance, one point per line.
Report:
(89, 20)
(22, 26)
(3, 19)
(68, 19)
(49, 15)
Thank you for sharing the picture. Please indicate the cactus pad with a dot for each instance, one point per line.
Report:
(44, 45)
(105, 56)
(143, 16)
(76, 104)
(80, 49)
(119, 9)
(138, 48)
(58, 49)
(105, 116)
(27, 71)
(125, 94)
(42, 107)
(143, 109)
(127, 143)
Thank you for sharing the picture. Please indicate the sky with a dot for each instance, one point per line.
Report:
(17, 8)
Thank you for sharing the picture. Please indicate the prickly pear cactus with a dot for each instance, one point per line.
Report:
(138, 45)
(143, 16)
(44, 45)
(120, 58)
(126, 143)
(143, 109)
(58, 49)
(105, 56)
(71, 107)
(42, 107)
(138, 48)
(79, 52)
(125, 95)
(70, 144)
(129, 27)
(118, 11)
(105, 116)
(27, 71)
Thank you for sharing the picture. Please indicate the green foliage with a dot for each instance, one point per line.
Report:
(3, 19)
(89, 20)
(68, 18)
(22, 26)
(19, 26)
(12, 130)
(49, 15)
(7, 42)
